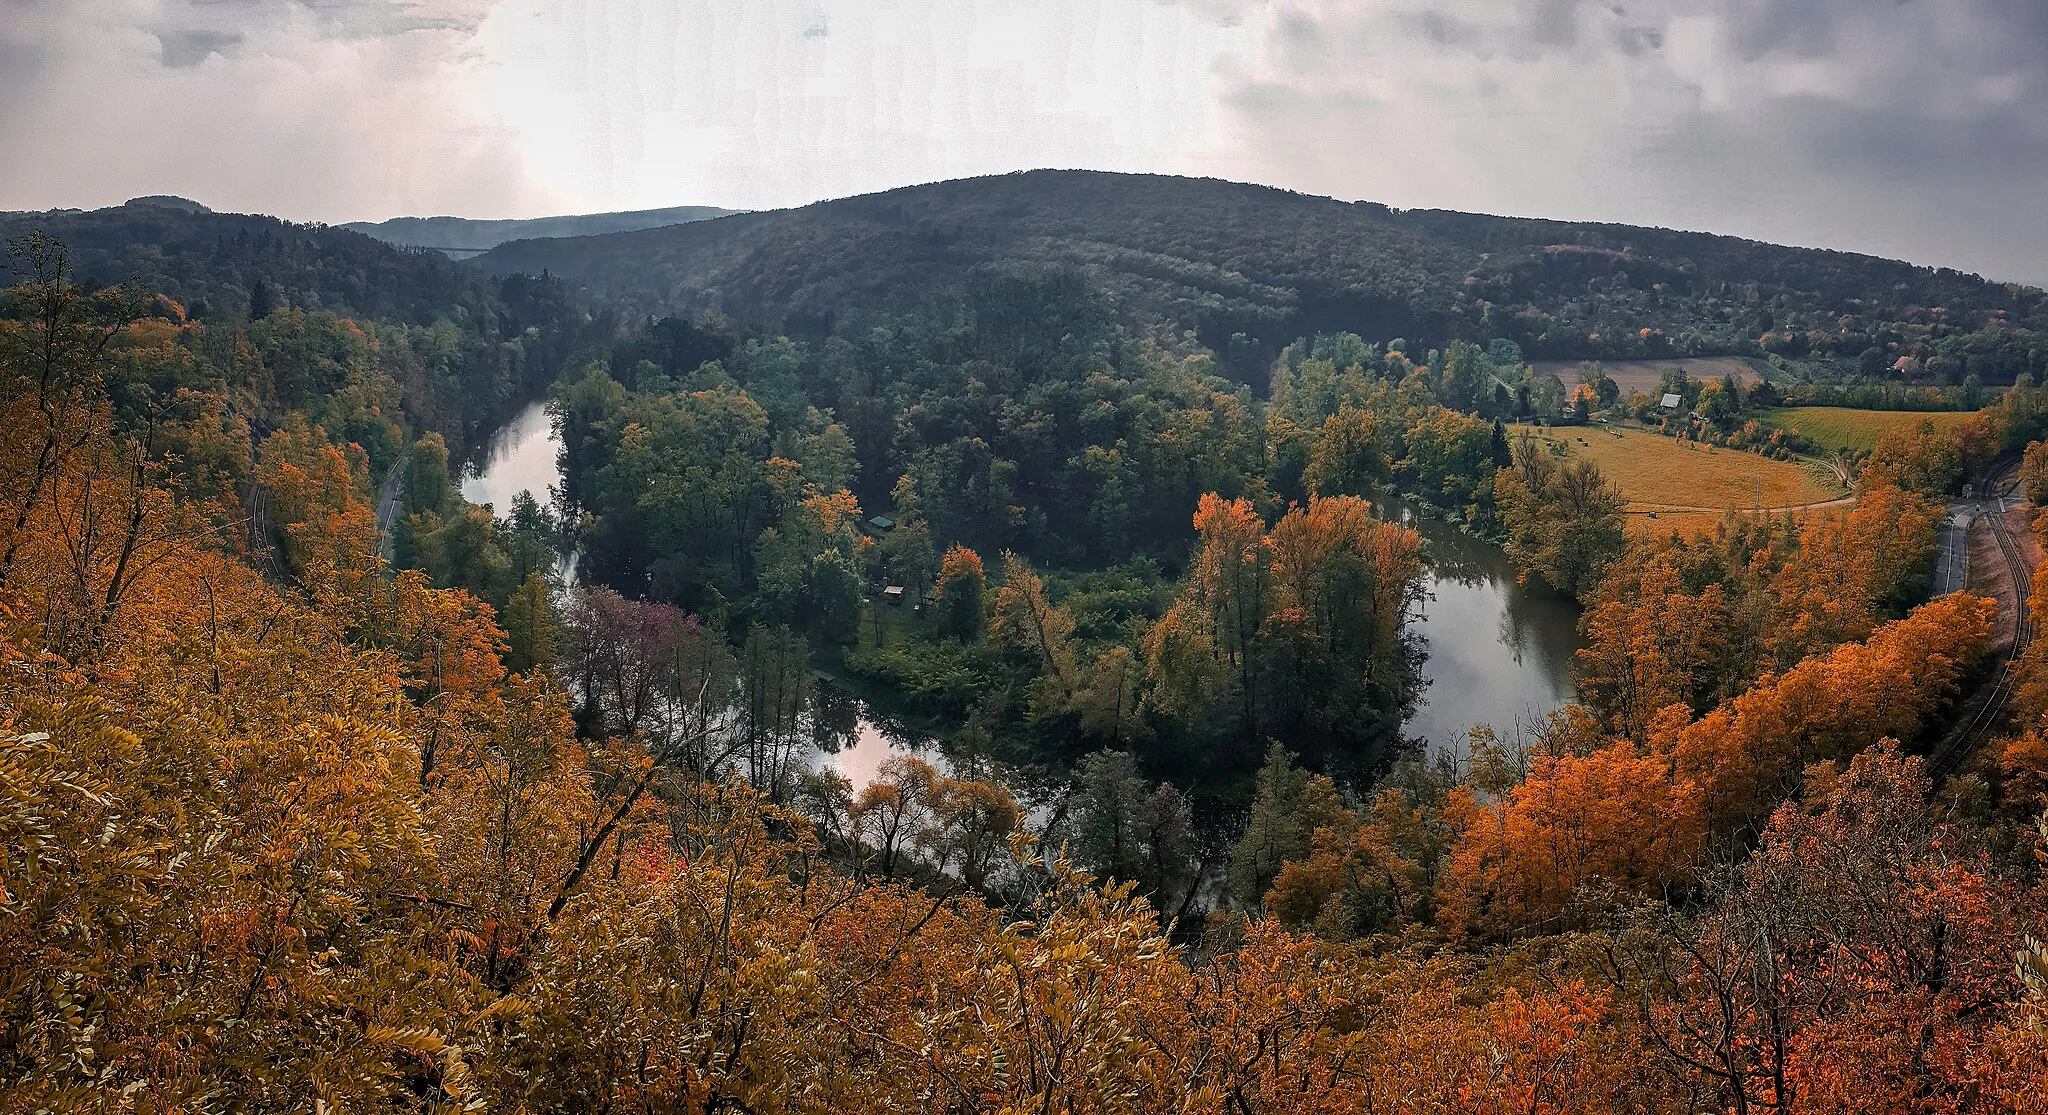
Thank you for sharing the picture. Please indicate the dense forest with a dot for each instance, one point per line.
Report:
(307, 798)
(1171, 567)
(1248, 269)
(452, 349)
(461, 237)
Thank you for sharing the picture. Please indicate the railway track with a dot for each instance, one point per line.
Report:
(1958, 748)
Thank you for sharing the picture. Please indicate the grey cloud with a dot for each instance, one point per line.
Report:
(1302, 40)
(1637, 41)
(199, 21)
(1554, 22)
(374, 18)
(1878, 125)
(1906, 127)
(318, 110)
(189, 48)
(1445, 29)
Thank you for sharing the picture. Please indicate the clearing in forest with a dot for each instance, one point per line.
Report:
(1686, 485)
(1832, 428)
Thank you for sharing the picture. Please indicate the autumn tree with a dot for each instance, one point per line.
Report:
(645, 669)
(973, 821)
(1747, 754)
(1921, 458)
(1579, 825)
(958, 599)
(1563, 519)
(890, 813)
(1035, 636)
(1335, 668)
(318, 505)
(1296, 631)
(2034, 473)
(1288, 805)
(1843, 966)
(1214, 628)
(54, 356)
(1350, 455)
(530, 629)
(1651, 643)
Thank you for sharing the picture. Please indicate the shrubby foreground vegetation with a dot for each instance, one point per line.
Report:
(285, 828)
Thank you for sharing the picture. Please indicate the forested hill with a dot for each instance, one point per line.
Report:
(1224, 259)
(461, 237)
(356, 333)
(211, 263)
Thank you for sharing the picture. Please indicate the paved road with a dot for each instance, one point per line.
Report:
(1952, 569)
(387, 505)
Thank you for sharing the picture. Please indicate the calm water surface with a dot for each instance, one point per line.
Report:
(519, 458)
(1498, 653)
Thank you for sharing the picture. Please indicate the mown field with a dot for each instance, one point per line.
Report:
(1832, 428)
(1686, 486)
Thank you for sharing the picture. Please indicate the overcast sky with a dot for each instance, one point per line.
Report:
(1911, 128)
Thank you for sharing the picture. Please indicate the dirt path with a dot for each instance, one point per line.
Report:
(1644, 508)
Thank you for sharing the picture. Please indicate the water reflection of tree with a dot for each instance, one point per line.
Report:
(1533, 618)
(1452, 556)
(835, 717)
(776, 691)
(1536, 619)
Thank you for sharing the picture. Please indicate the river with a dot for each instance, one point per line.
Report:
(520, 457)
(1499, 653)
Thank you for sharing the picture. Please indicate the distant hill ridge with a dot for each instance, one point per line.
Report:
(170, 201)
(1244, 268)
(213, 262)
(462, 237)
(1251, 267)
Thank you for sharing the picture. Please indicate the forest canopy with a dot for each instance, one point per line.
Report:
(321, 786)
(1247, 269)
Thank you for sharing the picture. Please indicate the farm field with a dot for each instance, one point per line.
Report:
(1669, 485)
(1833, 428)
(1645, 375)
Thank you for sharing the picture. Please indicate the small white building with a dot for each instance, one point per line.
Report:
(1671, 401)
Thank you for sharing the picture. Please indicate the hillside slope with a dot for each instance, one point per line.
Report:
(211, 262)
(1226, 259)
(462, 237)
(459, 347)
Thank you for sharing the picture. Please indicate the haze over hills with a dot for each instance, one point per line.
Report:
(462, 237)
(1265, 265)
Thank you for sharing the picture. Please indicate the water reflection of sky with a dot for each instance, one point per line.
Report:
(519, 458)
(860, 754)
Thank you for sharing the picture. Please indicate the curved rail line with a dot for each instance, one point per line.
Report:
(1959, 749)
